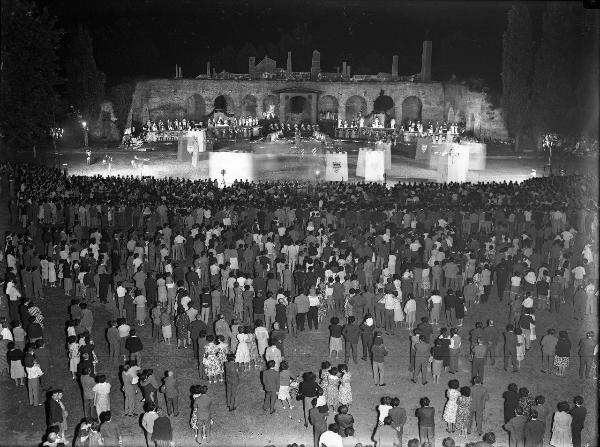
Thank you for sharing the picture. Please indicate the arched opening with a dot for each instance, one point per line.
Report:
(271, 105)
(224, 103)
(297, 104)
(328, 107)
(249, 106)
(411, 109)
(471, 124)
(354, 106)
(195, 108)
(385, 104)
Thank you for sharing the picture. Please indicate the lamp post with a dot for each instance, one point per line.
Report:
(56, 133)
(85, 133)
(223, 172)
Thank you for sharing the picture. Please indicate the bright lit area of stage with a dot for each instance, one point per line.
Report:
(287, 160)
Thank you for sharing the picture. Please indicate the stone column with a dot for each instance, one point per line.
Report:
(314, 111)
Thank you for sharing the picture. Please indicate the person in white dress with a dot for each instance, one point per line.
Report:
(561, 427)
(242, 353)
(101, 395)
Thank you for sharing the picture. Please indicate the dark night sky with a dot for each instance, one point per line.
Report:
(146, 38)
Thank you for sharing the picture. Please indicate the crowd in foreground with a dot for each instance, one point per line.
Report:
(367, 261)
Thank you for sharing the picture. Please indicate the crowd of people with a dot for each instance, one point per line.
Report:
(364, 260)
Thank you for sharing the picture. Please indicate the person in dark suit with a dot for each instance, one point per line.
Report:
(344, 420)
(421, 350)
(510, 348)
(479, 396)
(318, 419)
(271, 386)
(587, 346)
(398, 415)
(57, 413)
(534, 431)
(579, 413)
(426, 418)
(511, 401)
(516, 429)
(232, 380)
(351, 333)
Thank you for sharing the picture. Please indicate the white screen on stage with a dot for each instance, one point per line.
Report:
(237, 166)
(336, 166)
(374, 166)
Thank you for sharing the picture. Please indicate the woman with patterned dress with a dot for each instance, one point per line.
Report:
(333, 393)
(425, 281)
(222, 354)
(161, 286)
(526, 402)
(211, 362)
(182, 321)
(451, 405)
(463, 411)
(324, 378)
(345, 390)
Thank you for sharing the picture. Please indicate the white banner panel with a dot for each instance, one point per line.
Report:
(336, 166)
(374, 166)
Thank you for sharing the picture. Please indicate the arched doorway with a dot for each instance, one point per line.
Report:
(271, 105)
(298, 109)
(224, 103)
(411, 109)
(385, 104)
(195, 108)
(328, 108)
(249, 105)
(354, 105)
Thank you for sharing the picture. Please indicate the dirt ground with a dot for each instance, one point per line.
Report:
(249, 425)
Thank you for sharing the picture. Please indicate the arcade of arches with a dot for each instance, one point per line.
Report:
(298, 107)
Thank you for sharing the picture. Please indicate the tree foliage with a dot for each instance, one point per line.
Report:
(556, 72)
(28, 74)
(85, 83)
(517, 47)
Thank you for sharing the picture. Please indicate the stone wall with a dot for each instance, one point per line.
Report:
(176, 98)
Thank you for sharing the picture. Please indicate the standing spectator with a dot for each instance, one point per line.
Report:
(516, 429)
(378, 353)
(561, 427)
(534, 431)
(367, 331)
(548, 343)
(351, 333)
(101, 395)
(587, 346)
(232, 380)
(15, 357)
(134, 346)
(162, 431)
(318, 419)
(87, 388)
(479, 397)
(331, 437)
(170, 388)
(271, 385)
(57, 412)
(479, 355)
(510, 348)
(422, 352)
(562, 353)
(511, 401)
(579, 302)
(492, 335)
(148, 420)
(385, 435)
(463, 411)
(426, 420)
(454, 350)
(452, 394)
(578, 413)
(201, 420)
(112, 336)
(335, 338)
(34, 373)
(398, 415)
(302, 307)
(310, 390)
(109, 430)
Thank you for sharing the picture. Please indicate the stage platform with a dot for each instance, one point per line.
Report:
(285, 160)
